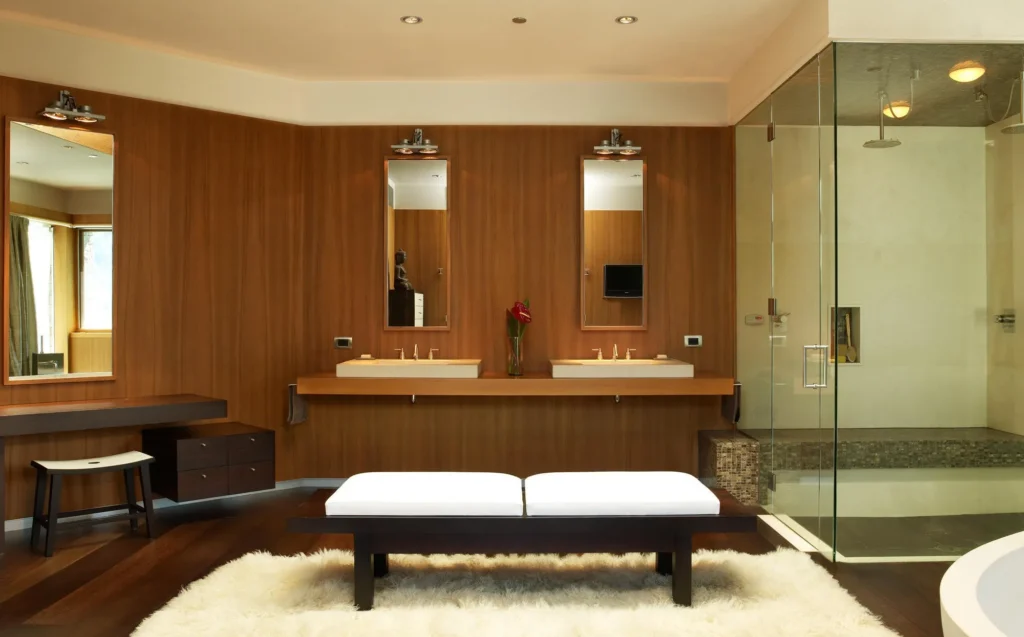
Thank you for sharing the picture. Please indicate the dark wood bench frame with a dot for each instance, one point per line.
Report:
(670, 537)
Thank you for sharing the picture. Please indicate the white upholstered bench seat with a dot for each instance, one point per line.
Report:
(615, 493)
(412, 493)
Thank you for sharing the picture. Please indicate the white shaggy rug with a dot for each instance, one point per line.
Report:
(735, 595)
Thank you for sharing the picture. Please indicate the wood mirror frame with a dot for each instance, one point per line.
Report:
(448, 245)
(583, 237)
(83, 377)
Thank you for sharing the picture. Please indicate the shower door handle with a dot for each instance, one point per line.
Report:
(824, 366)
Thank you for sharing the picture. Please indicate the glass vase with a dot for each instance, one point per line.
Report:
(515, 355)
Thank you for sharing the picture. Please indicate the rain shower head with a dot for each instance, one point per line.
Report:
(885, 143)
(881, 142)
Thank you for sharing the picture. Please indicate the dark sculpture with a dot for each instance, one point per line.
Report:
(401, 280)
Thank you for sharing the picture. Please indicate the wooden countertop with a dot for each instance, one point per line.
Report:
(79, 415)
(497, 384)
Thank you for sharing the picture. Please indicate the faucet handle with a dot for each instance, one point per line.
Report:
(629, 352)
(600, 354)
(430, 354)
(401, 352)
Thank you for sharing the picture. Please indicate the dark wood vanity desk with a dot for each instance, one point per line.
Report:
(84, 415)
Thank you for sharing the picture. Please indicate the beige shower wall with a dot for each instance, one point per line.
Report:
(1005, 230)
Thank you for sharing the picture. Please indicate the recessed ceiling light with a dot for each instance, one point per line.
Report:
(519, 20)
(411, 19)
(93, 156)
(626, 19)
(966, 71)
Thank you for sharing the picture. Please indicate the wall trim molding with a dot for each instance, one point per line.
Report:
(21, 524)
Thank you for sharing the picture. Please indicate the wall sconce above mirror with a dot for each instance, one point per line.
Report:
(418, 243)
(65, 108)
(615, 146)
(59, 254)
(416, 146)
(613, 259)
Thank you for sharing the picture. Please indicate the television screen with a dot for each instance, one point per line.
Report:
(623, 281)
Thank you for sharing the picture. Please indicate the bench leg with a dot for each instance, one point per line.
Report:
(38, 509)
(663, 564)
(53, 514)
(362, 567)
(129, 491)
(380, 564)
(682, 570)
(147, 501)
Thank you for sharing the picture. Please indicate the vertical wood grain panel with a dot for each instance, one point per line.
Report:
(611, 237)
(423, 234)
(245, 246)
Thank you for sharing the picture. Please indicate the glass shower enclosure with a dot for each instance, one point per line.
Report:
(880, 262)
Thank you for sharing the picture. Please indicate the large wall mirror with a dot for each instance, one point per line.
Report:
(614, 245)
(416, 230)
(59, 261)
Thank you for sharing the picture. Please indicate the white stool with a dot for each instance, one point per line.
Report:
(54, 471)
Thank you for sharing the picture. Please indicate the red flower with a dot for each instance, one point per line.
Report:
(521, 312)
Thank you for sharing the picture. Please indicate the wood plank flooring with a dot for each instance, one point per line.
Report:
(103, 581)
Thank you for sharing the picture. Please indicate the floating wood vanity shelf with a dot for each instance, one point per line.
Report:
(493, 384)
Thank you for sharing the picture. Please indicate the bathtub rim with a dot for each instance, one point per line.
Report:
(958, 590)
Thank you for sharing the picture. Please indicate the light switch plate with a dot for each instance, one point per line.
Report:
(342, 342)
(693, 341)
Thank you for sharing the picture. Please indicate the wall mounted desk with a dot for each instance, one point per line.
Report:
(85, 415)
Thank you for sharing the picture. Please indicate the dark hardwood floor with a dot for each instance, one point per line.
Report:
(102, 582)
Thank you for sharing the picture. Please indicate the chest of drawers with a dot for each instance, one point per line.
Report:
(195, 462)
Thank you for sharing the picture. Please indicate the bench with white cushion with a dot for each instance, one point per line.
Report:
(547, 513)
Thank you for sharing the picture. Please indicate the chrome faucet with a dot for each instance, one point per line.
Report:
(615, 352)
(430, 354)
(401, 353)
(600, 354)
(415, 352)
(629, 350)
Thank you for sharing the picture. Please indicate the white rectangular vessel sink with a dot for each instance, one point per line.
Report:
(398, 368)
(635, 368)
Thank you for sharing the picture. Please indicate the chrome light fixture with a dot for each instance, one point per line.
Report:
(418, 145)
(616, 146)
(65, 108)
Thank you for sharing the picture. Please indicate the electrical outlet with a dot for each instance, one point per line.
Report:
(693, 341)
(342, 342)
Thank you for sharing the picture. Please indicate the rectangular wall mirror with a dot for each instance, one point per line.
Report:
(416, 231)
(59, 261)
(613, 260)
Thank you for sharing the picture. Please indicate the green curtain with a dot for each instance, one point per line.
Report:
(21, 327)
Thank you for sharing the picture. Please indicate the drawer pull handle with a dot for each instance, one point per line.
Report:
(204, 476)
(253, 469)
(202, 444)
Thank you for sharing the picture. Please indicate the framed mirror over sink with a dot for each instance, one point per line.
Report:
(59, 254)
(417, 234)
(613, 255)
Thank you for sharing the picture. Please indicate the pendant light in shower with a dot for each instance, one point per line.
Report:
(881, 142)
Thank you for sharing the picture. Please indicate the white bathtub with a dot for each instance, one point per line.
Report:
(982, 593)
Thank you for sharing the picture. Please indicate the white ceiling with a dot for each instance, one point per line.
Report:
(422, 172)
(603, 172)
(458, 39)
(51, 162)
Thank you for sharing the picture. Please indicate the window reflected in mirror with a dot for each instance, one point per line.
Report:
(613, 260)
(60, 254)
(417, 243)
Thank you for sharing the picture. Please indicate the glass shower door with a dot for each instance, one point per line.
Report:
(803, 284)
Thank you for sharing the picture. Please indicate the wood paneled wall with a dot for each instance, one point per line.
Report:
(245, 246)
(611, 237)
